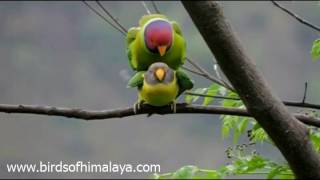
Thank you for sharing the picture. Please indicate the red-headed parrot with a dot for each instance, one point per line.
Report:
(157, 39)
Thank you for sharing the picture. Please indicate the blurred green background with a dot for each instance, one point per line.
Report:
(62, 54)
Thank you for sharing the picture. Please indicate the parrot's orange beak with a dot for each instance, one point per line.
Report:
(160, 73)
(162, 50)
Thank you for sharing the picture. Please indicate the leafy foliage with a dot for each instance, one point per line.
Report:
(257, 134)
(212, 91)
(315, 138)
(236, 123)
(315, 50)
(242, 164)
(192, 98)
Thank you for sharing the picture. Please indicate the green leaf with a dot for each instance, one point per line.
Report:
(192, 98)
(315, 138)
(315, 50)
(243, 124)
(207, 174)
(235, 123)
(188, 98)
(186, 172)
(212, 91)
(228, 122)
(244, 164)
(213, 175)
(231, 103)
(258, 135)
(156, 176)
(286, 176)
(225, 132)
(223, 91)
(278, 171)
(252, 163)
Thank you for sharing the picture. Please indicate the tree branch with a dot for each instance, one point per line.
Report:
(305, 92)
(213, 96)
(113, 18)
(288, 134)
(193, 71)
(155, 7)
(104, 19)
(292, 14)
(207, 75)
(302, 104)
(182, 108)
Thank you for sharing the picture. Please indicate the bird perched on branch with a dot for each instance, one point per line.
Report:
(157, 39)
(159, 85)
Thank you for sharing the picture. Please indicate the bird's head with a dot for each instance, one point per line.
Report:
(159, 73)
(158, 36)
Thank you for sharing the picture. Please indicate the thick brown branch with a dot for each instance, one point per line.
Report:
(288, 134)
(128, 111)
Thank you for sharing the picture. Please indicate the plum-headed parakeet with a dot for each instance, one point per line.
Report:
(160, 85)
(157, 39)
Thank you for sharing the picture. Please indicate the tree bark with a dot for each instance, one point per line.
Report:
(182, 108)
(288, 134)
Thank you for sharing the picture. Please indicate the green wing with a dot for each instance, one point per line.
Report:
(184, 82)
(131, 36)
(180, 41)
(176, 27)
(136, 80)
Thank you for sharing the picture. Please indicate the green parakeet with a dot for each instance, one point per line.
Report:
(160, 85)
(157, 39)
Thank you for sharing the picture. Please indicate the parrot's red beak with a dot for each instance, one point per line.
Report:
(162, 50)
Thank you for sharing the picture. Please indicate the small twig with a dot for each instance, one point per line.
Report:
(287, 103)
(146, 7)
(305, 92)
(110, 15)
(301, 20)
(128, 111)
(105, 19)
(216, 70)
(301, 105)
(192, 71)
(207, 75)
(206, 95)
(196, 65)
(155, 7)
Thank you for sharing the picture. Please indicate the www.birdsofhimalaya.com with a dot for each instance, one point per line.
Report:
(81, 167)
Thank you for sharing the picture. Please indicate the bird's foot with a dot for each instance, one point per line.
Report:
(137, 106)
(174, 106)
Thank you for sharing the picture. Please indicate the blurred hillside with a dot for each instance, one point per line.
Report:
(62, 54)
